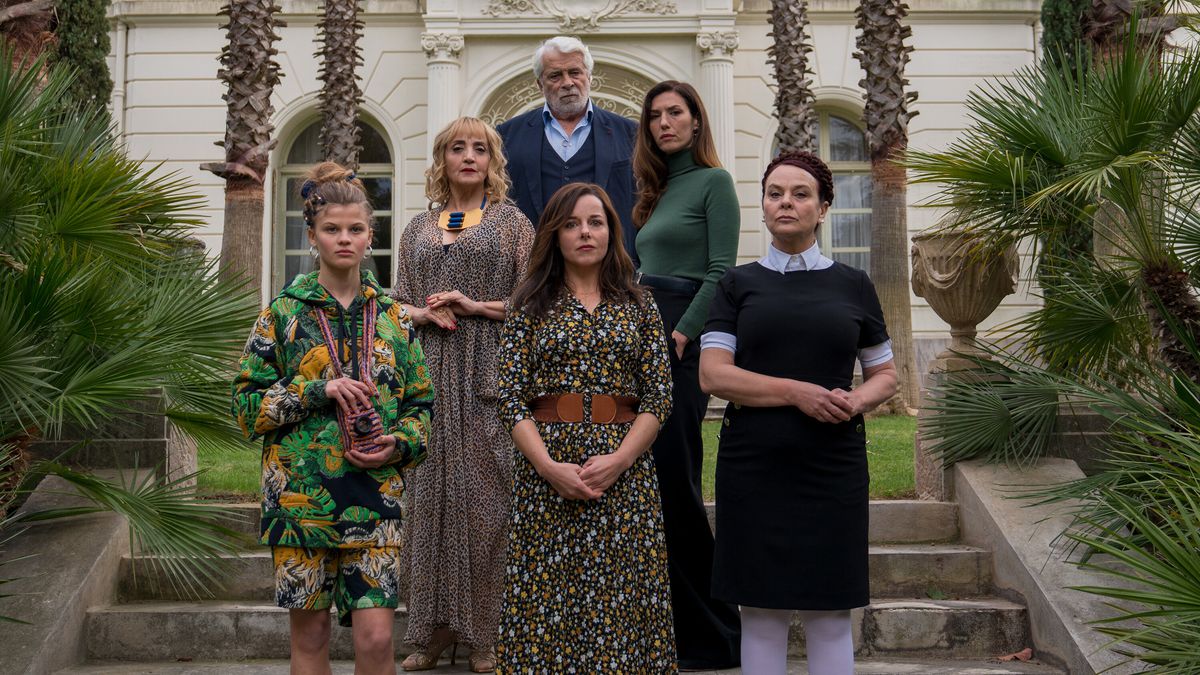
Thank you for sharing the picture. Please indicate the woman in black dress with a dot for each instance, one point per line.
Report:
(780, 344)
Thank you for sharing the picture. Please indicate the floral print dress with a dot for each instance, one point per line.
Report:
(586, 581)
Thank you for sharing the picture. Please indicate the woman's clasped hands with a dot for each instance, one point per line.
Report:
(586, 482)
(443, 309)
(826, 405)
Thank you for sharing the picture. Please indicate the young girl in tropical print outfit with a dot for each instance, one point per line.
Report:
(331, 513)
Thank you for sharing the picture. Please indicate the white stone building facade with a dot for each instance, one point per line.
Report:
(426, 62)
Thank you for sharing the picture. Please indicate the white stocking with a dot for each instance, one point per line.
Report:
(764, 640)
(828, 641)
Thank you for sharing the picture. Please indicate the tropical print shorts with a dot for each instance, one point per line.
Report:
(353, 578)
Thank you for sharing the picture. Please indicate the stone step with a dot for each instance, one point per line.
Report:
(892, 520)
(897, 571)
(205, 631)
(795, 667)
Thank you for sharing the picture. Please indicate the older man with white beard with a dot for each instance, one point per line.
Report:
(569, 139)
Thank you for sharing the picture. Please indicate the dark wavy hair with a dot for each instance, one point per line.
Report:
(650, 163)
(544, 277)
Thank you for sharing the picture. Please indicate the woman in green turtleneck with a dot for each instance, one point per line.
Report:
(688, 220)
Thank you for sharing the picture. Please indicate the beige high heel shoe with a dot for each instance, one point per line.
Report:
(482, 660)
(427, 658)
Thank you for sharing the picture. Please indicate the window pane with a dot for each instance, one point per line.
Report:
(846, 142)
(296, 235)
(296, 264)
(852, 191)
(306, 149)
(292, 189)
(382, 241)
(381, 266)
(379, 191)
(374, 148)
(860, 260)
(850, 230)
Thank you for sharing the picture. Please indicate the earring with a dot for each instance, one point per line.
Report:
(312, 251)
(367, 255)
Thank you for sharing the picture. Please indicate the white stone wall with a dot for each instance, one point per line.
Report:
(172, 112)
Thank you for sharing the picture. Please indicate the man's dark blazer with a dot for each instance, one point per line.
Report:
(614, 137)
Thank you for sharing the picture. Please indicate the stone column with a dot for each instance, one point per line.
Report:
(443, 103)
(716, 86)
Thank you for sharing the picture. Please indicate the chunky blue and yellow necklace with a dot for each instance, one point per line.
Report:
(457, 221)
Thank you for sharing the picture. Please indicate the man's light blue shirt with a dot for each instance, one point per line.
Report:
(566, 146)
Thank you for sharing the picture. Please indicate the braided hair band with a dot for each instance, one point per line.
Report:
(306, 192)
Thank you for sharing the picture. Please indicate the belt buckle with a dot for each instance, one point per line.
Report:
(570, 407)
(604, 409)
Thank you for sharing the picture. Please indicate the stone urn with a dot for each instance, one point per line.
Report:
(963, 284)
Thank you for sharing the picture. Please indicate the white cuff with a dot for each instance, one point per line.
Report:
(874, 356)
(719, 340)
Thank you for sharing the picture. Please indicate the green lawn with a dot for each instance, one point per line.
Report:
(889, 456)
(228, 475)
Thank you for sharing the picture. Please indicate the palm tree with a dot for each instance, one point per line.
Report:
(1106, 22)
(25, 26)
(102, 300)
(788, 53)
(883, 55)
(250, 76)
(340, 95)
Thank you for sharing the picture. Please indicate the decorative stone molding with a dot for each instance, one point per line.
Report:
(442, 46)
(579, 16)
(717, 44)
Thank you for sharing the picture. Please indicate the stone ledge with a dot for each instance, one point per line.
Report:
(1030, 563)
(73, 566)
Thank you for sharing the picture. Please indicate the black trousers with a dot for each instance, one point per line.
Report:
(707, 632)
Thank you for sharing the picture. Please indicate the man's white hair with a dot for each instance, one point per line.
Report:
(563, 44)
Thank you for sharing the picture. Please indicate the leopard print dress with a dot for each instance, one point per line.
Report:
(457, 501)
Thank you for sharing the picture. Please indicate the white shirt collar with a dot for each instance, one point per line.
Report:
(807, 260)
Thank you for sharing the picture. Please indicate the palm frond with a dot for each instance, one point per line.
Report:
(995, 412)
(189, 540)
(1157, 570)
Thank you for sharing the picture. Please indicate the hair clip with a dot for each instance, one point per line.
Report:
(306, 188)
(351, 176)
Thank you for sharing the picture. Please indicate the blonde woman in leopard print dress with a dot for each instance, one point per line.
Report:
(454, 282)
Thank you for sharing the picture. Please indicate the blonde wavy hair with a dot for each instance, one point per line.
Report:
(437, 183)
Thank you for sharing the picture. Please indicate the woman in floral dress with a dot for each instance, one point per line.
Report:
(584, 387)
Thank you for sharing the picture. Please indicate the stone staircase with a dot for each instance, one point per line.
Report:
(932, 612)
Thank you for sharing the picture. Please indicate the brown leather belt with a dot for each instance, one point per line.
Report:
(605, 409)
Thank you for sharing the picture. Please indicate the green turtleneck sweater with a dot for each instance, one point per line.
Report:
(692, 233)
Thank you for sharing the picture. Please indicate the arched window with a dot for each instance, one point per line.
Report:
(846, 234)
(376, 171)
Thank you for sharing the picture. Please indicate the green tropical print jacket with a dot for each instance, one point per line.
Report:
(313, 497)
